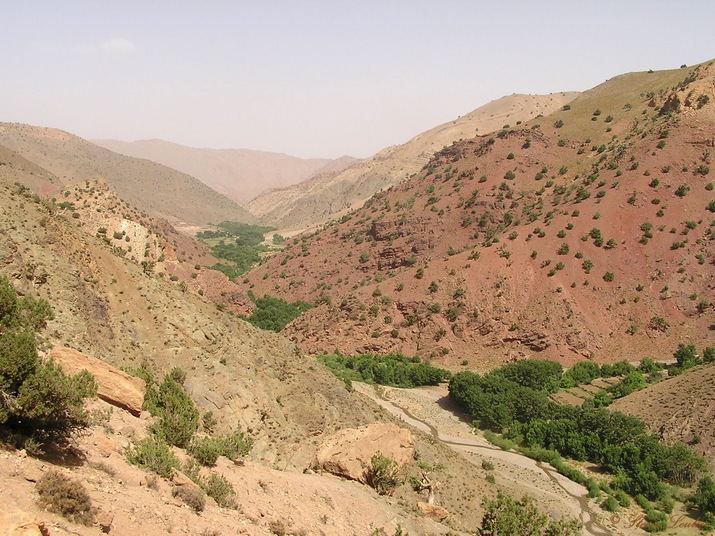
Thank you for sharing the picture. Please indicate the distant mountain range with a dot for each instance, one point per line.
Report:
(157, 189)
(239, 174)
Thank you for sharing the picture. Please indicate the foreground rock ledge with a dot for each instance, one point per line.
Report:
(113, 386)
(348, 452)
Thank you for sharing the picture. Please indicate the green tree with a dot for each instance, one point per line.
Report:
(178, 416)
(686, 356)
(505, 516)
(37, 399)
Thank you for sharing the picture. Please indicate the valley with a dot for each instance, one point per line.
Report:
(533, 232)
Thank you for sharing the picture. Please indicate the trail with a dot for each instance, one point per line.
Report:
(432, 422)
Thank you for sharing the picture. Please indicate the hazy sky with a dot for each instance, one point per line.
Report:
(317, 78)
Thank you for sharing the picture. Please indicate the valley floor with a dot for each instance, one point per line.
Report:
(430, 410)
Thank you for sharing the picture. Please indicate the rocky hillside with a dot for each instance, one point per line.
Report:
(111, 306)
(679, 409)
(148, 186)
(586, 233)
(332, 194)
(239, 174)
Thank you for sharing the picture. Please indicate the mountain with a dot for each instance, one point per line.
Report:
(583, 234)
(148, 186)
(239, 174)
(316, 200)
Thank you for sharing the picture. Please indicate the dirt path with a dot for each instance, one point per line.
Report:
(430, 410)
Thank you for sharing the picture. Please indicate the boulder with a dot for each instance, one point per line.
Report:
(113, 386)
(348, 452)
(15, 522)
(433, 511)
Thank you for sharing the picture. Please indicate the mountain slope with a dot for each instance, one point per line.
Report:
(679, 409)
(317, 200)
(108, 304)
(149, 186)
(239, 174)
(586, 233)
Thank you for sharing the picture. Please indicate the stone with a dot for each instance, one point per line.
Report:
(15, 522)
(433, 511)
(348, 452)
(113, 386)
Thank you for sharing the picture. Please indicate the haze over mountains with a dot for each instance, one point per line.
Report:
(314, 201)
(158, 189)
(239, 174)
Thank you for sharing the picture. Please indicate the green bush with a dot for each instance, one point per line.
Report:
(383, 474)
(38, 399)
(505, 516)
(274, 314)
(610, 504)
(220, 490)
(178, 415)
(153, 454)
(206, 450)
(61, 495)
(622, 498)
(655, 521)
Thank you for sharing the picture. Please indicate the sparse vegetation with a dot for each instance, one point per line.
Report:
(62, 495)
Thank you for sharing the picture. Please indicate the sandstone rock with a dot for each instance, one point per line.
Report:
(114, 386)
(32, 471)
(181, 480)
(433, 511)
(348, 452)
(14, 522)
(104, 520)
(105, 446)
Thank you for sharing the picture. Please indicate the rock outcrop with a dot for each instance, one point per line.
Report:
(113, 386)
(348, 452)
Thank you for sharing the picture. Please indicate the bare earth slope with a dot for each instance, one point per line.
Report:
(316, 200)
(239, 174)
(149, 186)
(679, 409)
(584, 234)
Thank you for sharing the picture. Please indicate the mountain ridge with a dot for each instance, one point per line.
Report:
(453, 264)
(239, 174)
(315, 201)
(149, 186)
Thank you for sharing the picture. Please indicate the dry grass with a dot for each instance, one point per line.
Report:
(62, 495)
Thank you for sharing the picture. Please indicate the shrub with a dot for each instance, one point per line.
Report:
(38, 399)
(220, 490)
(505, 515)
(622, 498)
(178, 415)
(383, 474)
(610, 504)
(152, 454)
(62, 495)
(192, 497)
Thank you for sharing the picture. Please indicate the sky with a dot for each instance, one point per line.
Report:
(320, 78)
